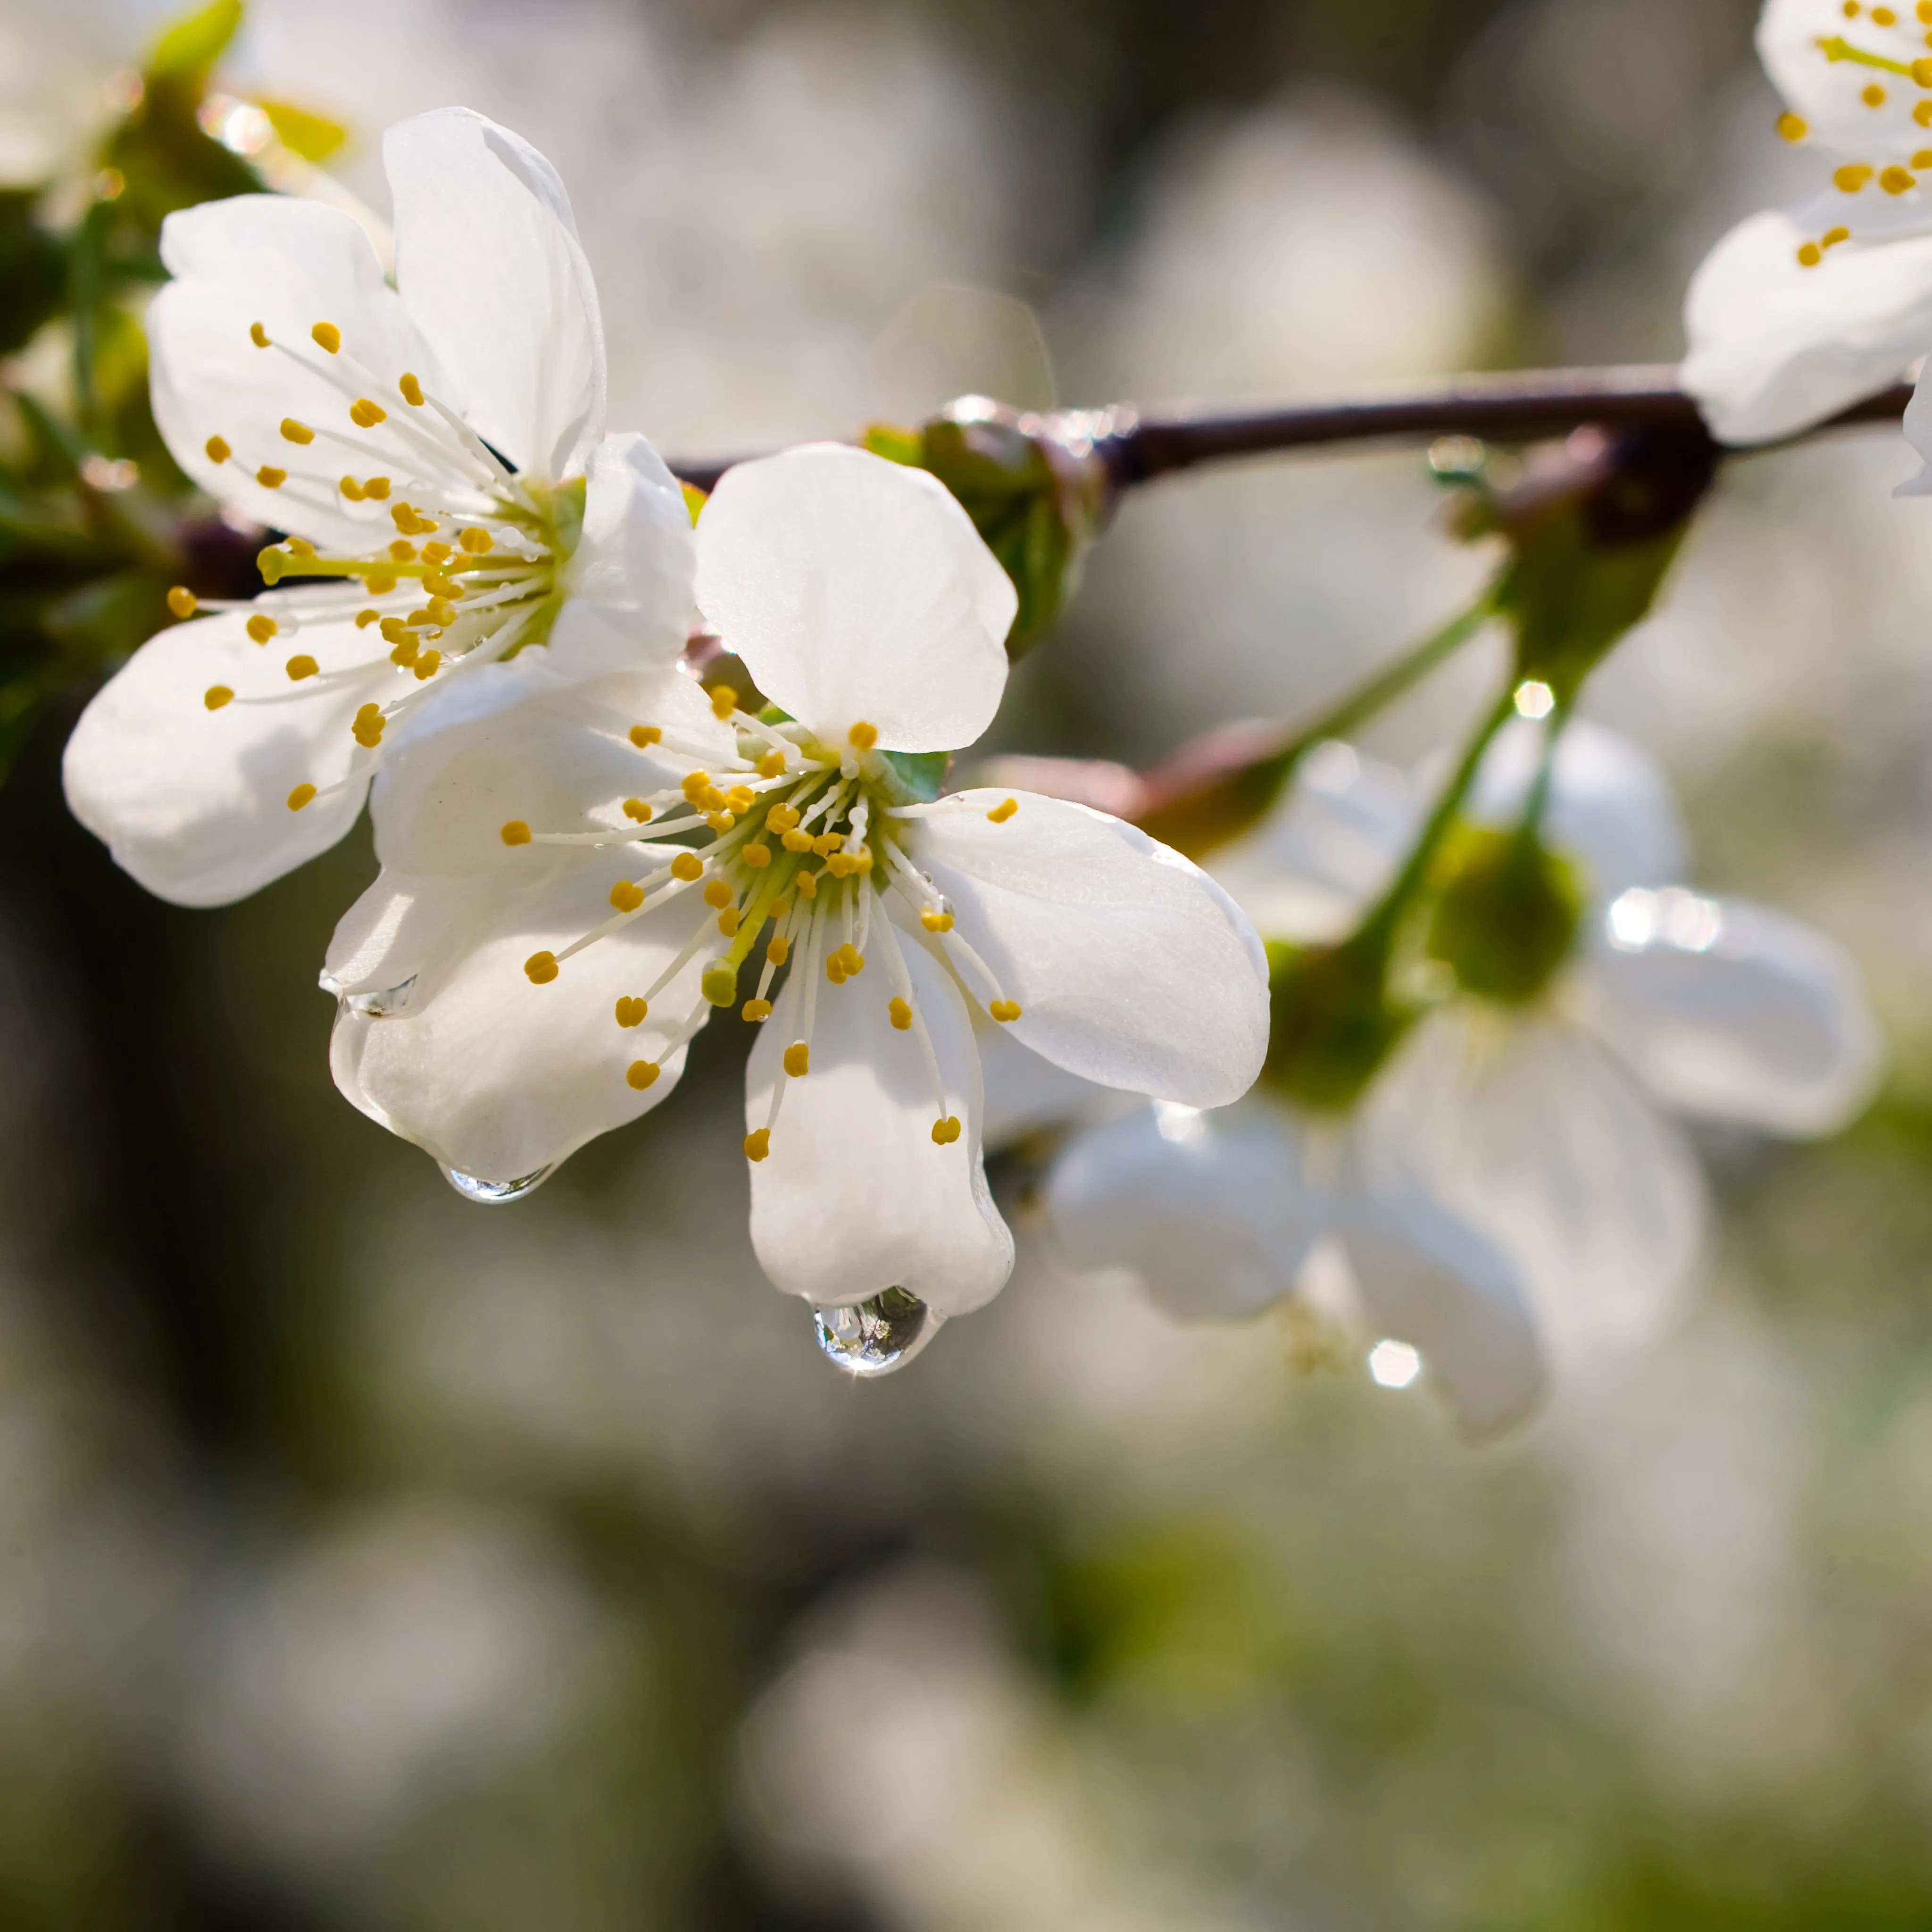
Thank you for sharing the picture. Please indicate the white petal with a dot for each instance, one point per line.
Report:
(1322, 856)
(1776, 347)
(194, 802)
(488, 262)
(1429, 1278)
(516, 741)
(1525, 1128)
(400, 928)
(1734, 1011)
(854, 1197)
(857, 590)
(1611, 809)
(1130, 966)
(497, 1077)
(1213, 1211)
(630, 582)
(1025, 1093)
(288, 265)
(1832, 96)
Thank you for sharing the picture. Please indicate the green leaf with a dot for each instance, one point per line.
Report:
(188, 49)
(923, 773)
(33, 272)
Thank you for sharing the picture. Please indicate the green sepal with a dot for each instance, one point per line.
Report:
(922, 773)
(1333, 1022)
(773, 714)
(187, 48)
(1506, 914)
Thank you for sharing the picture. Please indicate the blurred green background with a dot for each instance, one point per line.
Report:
(369, 1559)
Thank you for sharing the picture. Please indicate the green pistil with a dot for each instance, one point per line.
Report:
(1837, 48)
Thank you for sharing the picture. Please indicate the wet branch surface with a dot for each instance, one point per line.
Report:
(1137, 446)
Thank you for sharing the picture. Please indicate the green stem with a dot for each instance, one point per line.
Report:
(1377, 932)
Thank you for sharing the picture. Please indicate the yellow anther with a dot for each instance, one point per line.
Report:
(477, 542)
(626, 895)
(779, 950)
(1922, 72)
(757, 854)
(1792, 127)
(1005, 1011)
(827, 843)
(437, 553)
(798, 1059)
(645, 736)
(1924, 10)
(1883, 16)
(402, 551)
(515, 833)
(300, 797)
(687, 865)
(756, 1010)
(364, 619)
(900, 1012)
(862, 737)
(426, 664)
(1849, 179)
(442, 612)
(720, 821)
(1851, 10)
(1896, 180)
(1922, 114)
(807, 886)
(411, 391)
(296, 432)
(781, 817)
(727, 921)
(936, 922)
(406, 653)
(718, 893)
(946, 1132)
(758, 1143)
(541, 968)
(637, 809)
(642, 1073)
(366, 414)
(181, 601)
(395, 632)
(771, 764)
(834, 970)
(300, 666)
(631, 1013)
(1001, 813)
(379, 582)
(1832, 237)
(261, 629)
(696, 783)
(351, 489)
(723, 701)
(1873, 96)
(368, 729)
(327, 336)
(1809, 255)
(794, 840)
(216, 696)
(741, 798)
(217, 449)
(300, 545)
(270, 477)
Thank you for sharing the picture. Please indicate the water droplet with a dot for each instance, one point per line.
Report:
(376, 1006)
(495, 1191)
(874, 1337)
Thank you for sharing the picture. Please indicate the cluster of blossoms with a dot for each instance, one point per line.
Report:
(585, 854)
(1514, 1187)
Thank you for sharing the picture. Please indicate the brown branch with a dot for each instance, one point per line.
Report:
(1138, 445)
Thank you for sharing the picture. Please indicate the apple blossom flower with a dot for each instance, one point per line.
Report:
(436, 451)
(1798, 313)
(1516, 1184)
(567, 914)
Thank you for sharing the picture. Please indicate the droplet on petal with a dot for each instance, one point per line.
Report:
(874, 1337)
(493, 1193)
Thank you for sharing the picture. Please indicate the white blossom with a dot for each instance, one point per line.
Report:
(1515, 1185)
(436, 452)
(571, 888)
(1798, 313)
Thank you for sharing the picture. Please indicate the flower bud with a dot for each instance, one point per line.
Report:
(1506, 915)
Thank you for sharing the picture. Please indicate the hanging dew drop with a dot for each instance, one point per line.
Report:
(380, 1006)
(874, 1337)
(493, 1192)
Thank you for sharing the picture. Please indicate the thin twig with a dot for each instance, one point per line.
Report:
(1138, 445)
